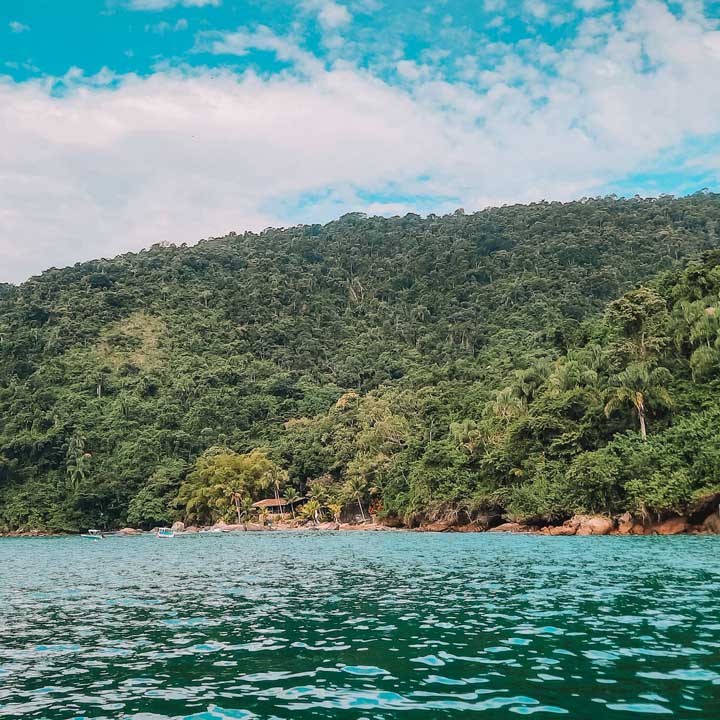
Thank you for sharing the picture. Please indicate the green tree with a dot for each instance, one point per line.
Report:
(640, 316)
(221, 480)
(641, 387)
(154, 503)
(76, 460)
(355, 488)
(311, 510)
(293, 498)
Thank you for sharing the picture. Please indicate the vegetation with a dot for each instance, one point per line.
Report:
(531, 361)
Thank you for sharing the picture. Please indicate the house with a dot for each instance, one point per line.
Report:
(278, 506)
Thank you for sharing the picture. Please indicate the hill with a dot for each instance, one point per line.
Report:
(483, 363)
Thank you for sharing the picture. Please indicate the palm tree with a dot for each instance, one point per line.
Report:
(278, 476)
(311, 509)
(247, 508)
(356, 487)
(506, 405)
(642, 387)
(335, 508)
(76, 460)
(292, 498)
(236, 495)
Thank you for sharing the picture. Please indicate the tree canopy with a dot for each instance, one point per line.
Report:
(498, 362)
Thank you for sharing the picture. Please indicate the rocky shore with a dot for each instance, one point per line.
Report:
(581, 525)
(594, 525)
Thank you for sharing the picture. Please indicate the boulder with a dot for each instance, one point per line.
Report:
(130, 531)
(192, 529)
(592, 524)
(485, 522)
(702, 508)
(626, 523)
(328, 526)
(437, 526)
(711, 524)
(254, 527)
(178, 526)
(672, 526)
(564, 529)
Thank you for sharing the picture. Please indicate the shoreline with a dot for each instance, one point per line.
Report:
(580, 525)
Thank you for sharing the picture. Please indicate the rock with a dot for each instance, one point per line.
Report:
(628, 525)
(254, 527)
(672, 526)
(711, 524)
(625, 524)
(178, 526)
(393, 521)
(437, 526)
(130, 531)
(575, 521)
(592, 524)
(564, 529)
(328, 526)
(192, 529)
(702, 508)
(509, 527)
(485, 522)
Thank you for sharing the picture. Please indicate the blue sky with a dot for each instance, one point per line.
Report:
(129, 122)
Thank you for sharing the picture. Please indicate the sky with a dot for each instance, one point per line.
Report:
(124, 123)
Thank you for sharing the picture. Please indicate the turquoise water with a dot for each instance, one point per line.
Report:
(363, 626)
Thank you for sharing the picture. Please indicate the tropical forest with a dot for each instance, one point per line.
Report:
(525, 362)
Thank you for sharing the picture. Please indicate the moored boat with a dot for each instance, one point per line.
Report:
(165, 533)
(93, 535)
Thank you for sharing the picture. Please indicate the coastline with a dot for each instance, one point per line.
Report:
(580, 525)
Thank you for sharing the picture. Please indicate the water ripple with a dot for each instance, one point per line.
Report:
(363, 626)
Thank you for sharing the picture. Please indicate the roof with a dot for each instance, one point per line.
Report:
(271, 502)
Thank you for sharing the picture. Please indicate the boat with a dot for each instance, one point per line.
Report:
(93, 535)
(165, 533)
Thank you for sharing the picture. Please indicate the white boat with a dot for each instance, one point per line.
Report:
(165, 533)
(93, 535)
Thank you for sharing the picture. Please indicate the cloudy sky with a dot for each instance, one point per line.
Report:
(129, 122)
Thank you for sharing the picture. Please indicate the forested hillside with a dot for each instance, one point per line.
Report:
(531, 361)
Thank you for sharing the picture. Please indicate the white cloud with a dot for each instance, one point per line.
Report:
(410, 70)
(243, 41)
(591, 5)
(331, 15)
(118, 163)
(536, 8)
(18, 27)
(165, 4)
(164, 27)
